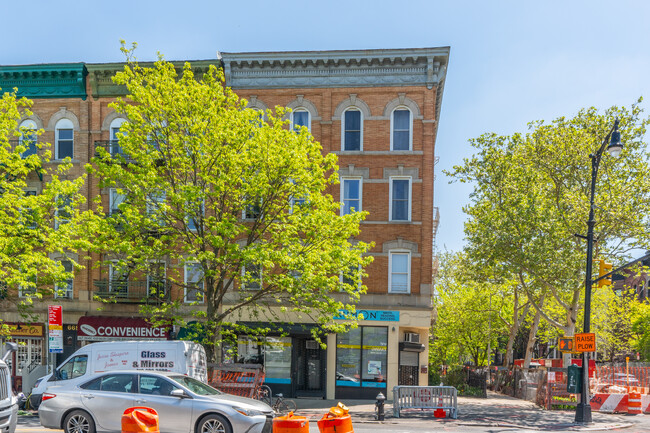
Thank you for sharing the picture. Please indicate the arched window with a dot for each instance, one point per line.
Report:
(116, 124)
(401, 130)
(28, 137)
(352, 129)
(300, 117)
(64, 136)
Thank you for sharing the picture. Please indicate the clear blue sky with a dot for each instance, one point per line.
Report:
(511, 61)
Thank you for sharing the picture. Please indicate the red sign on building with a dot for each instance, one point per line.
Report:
(94, 328)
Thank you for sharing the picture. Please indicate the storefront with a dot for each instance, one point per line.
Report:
(100, 328)
(362, 362)
(294, 362)
(30, 353)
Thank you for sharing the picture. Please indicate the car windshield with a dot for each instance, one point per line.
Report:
(195, 386)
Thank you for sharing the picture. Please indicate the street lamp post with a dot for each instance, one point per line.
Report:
(583, 410)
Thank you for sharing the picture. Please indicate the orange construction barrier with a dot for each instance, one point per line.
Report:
(140, 420)
(634, 404)
(337, 420)
(290, 424)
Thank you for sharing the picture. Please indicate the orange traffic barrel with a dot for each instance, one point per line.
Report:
(335, 424)
(140, 420)
(634, 404)
(290, 424)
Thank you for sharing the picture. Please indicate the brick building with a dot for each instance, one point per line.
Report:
(378, 110)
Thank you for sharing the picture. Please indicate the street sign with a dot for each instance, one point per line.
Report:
(55, 328)
(566, 344)
(585, 342)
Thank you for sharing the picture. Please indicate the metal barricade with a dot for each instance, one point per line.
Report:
(425, 397)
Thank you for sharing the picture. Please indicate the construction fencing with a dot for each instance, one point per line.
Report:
(425, 397)
(238, 379)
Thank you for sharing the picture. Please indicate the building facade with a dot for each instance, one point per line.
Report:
(378, 110)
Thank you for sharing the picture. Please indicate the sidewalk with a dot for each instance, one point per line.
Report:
(495, 411)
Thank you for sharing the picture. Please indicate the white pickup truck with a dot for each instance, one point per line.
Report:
(8, 401)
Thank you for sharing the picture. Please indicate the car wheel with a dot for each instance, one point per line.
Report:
(78, 421)
(214, 424)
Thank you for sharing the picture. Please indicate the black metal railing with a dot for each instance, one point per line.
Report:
(157, 291)
(113, 148)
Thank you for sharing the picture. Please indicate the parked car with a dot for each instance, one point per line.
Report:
(184, 357)
(185, 405)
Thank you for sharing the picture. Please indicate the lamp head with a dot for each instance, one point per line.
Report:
(615, 146)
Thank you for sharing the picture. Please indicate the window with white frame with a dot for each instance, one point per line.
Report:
(28, 289)
(63, 211)
(156, 279)
(116, 199)
(194, 215)
(194, 286)
(154, 205)
(399, 277)
(351, 276)
(401, 131)
(351, 194)
(64, 136)
(253, 210)
(299, 118)
(64, 289)
(118, 277)
(29, 215)
(115, 147)
(400, 199)
(352, 130)
(251, 277)
(28, 137)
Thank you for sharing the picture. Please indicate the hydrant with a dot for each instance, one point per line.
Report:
(379, 406)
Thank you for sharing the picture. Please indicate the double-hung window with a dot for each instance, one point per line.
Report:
(399, 278)
(251, 277)
(300, 118)
(65, 289)
(28, 137)
(63, 211)
(115, 148)
(194, 286)
(400, 199)
(352, 130)
(351, 194)
(64, 135)
(401, 129)
(116, 199)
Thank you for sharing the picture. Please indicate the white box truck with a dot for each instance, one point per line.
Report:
(183, 357)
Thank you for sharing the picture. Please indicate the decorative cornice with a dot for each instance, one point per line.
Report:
(308, 69)
(101, 75)
(56, 80)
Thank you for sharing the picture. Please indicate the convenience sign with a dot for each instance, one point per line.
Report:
(585, 342)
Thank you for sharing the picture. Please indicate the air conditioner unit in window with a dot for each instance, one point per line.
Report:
(412, 337)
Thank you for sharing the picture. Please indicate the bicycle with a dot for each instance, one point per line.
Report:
(279, 405)
(282, 406)
(265, 394)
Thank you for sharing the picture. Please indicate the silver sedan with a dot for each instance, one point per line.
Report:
(183, 404)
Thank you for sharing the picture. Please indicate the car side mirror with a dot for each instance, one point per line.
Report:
(178, 393)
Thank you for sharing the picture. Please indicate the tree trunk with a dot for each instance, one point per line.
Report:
(532, 336)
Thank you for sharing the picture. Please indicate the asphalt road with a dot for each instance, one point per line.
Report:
(32, 425)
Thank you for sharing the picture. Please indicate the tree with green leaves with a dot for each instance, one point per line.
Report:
(233, 201)
(467, 318)
(531, 199)
(37, 231)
